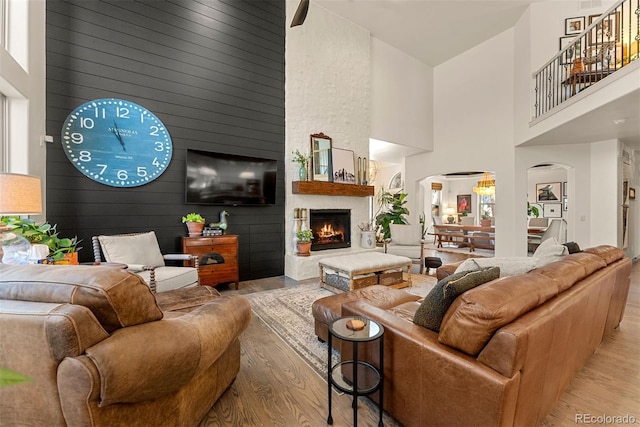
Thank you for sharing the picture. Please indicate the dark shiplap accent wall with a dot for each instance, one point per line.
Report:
(211, 70)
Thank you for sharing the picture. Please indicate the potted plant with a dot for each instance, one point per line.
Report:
(532, 211)
(395, 211)
(195, 224)
(304, 242)
(303, 161)
(62, 250)
(485, 218)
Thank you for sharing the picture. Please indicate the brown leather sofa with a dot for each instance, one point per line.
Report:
(102, 350)
(506, 350)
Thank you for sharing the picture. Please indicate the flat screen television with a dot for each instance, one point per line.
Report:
(229, 179)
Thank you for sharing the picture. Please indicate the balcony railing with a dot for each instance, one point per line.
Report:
(606, 45)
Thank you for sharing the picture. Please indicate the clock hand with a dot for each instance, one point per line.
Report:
(116, 132)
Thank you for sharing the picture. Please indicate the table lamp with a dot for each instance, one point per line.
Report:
(19, 195)
(450, 212)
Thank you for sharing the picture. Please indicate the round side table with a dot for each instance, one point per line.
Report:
(372, 331)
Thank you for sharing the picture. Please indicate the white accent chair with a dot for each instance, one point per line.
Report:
(141, 253)
(406, 240)
(555, 229)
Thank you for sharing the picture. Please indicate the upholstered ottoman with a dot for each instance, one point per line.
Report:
(326, 310)
(349, 272)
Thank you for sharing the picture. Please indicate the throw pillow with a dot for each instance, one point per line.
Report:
(550, 247)
(549, 251)
(573, 247)
(437, 302)
(467, 265)
(509, 266)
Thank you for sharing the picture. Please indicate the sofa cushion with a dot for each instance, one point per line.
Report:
(477, 314)
(572, 269)
(170, 277)
(509, 266)
(139, 248)
(437, 302)
(607, 252)
(116, 297)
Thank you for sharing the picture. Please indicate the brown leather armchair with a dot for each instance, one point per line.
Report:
(101, 349)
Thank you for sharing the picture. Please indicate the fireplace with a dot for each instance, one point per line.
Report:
(331, 228)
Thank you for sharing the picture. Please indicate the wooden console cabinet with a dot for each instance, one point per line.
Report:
(212, 251)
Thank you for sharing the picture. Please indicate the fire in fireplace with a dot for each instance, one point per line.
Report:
(331, 228)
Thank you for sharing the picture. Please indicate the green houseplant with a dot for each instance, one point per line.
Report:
(60, 248)
(195, 223)
(303, 244)
(392, 210)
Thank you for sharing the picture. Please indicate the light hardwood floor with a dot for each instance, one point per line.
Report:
(276, 388)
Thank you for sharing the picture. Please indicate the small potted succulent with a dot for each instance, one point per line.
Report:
(304, 242)
(195, 224)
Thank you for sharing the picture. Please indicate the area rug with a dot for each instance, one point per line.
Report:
(287, 312)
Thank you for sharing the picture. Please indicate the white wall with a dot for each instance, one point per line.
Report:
(327, 89)
(473, 128)
(401, 97)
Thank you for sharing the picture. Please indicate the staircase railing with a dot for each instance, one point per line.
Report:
(607, 44)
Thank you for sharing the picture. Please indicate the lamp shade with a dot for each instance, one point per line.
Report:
(20, 194)
(450, 211)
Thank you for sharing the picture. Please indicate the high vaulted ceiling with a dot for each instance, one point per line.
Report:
(432, 31)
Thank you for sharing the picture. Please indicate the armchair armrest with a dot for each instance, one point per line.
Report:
(183, 257)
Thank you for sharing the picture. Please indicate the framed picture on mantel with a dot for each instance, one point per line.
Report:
(343, 166)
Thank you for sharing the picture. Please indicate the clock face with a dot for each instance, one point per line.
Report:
(116, 142)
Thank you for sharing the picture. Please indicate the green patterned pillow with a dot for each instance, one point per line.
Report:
(437, 302)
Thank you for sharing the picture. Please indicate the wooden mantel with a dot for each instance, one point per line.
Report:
(323, 188)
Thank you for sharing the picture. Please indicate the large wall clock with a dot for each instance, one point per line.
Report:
(116, 142)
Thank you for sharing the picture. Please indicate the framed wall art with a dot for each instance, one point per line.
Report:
(573, 52)
(606, 31)
(548, 192)
(343, 166)
(574, 25)
(552, 210)
(632, 193)
(464, 203)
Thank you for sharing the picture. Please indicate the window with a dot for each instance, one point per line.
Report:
(22, 88)
(486, 206)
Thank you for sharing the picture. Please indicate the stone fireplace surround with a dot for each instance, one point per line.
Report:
(301, 268)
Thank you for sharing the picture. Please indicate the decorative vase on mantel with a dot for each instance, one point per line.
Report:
(302, 172)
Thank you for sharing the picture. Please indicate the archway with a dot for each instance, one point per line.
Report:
(549, 213)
